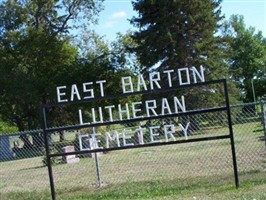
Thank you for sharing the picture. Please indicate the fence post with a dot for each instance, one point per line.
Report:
(98, 169)
(263, 118)
(96, 160)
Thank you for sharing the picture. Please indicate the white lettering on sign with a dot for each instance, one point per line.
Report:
(169, 77)
(156, 80)
(87, 92)
(127, 84)
(133, 110)
(154, 133)
(109, 138)
(60, 94)
(112, 138)
(184, 76)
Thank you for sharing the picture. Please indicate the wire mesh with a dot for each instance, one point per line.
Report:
(24, 165)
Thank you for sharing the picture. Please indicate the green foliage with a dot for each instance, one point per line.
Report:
(176, 34)
(36, 54)
(7, 128)
(125, 59)
(247, 61)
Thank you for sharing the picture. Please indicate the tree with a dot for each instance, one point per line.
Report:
(247, 62)
(36, 53)
(175, 33)
(123, 58)
(103, 61)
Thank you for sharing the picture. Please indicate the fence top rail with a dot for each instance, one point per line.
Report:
(247, 104)
(35, 131)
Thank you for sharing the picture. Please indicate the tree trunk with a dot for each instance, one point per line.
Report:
(62, 136)
(25, 139)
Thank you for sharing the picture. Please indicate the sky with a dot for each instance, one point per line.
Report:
(116, 14)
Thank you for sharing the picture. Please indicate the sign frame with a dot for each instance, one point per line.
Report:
(47, 130)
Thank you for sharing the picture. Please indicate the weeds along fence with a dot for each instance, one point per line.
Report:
(23, 166)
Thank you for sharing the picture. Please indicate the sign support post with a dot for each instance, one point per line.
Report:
(231, 133)
(48, 158)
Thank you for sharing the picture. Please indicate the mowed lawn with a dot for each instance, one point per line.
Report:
(185, 171)
(252, 187)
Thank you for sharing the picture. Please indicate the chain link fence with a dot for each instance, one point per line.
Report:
(23, 165)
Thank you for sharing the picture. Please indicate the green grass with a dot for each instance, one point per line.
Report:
(201, 170)
(190, 188)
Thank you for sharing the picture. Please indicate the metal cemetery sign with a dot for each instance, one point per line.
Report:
(141, 100)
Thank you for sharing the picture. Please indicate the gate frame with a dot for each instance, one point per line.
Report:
(47, 130)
